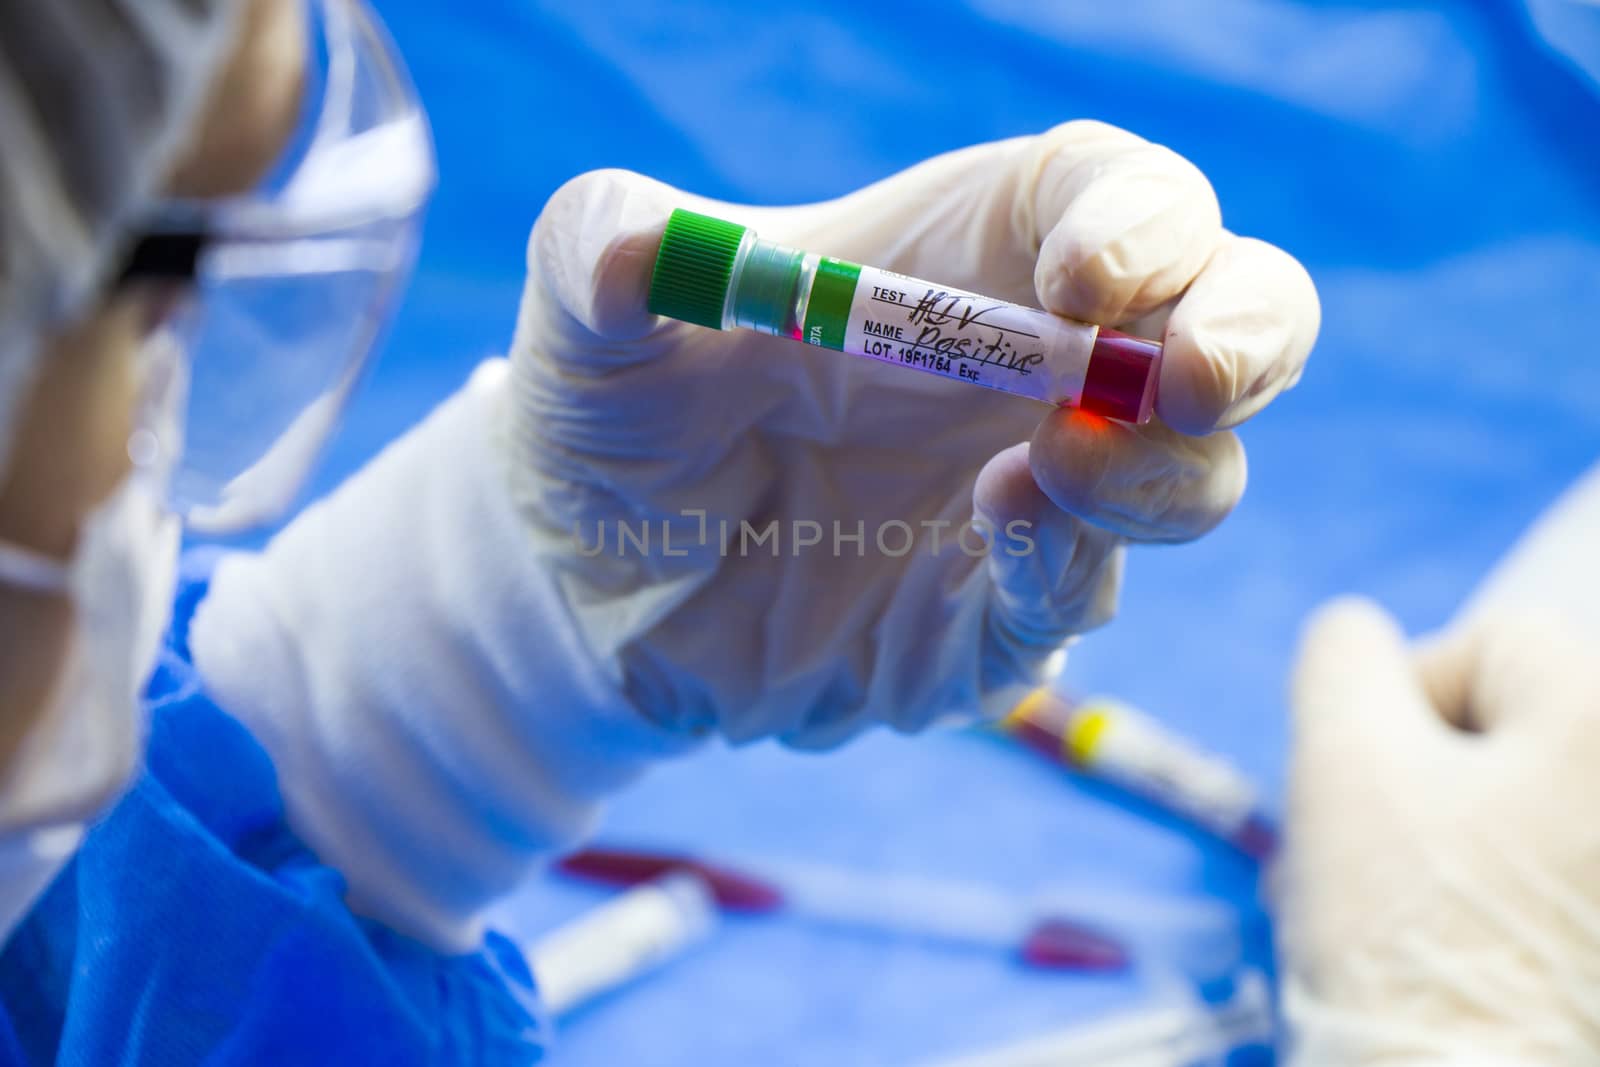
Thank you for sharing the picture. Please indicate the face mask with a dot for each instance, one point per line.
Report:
(85, 746)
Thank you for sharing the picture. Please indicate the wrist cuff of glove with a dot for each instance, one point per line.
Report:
(436, 721)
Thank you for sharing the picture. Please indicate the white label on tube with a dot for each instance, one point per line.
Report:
(971, 338)
(1138, 753)
(621, 940)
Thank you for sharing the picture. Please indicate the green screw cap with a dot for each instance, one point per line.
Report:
(693, 268)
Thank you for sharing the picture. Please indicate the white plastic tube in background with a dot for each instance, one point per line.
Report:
(1177, 1033)
(622, 940)
(1201, 938)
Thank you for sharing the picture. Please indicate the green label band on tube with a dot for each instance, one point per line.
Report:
(828, 312)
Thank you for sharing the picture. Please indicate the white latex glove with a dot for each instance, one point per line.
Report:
(435, 719)
(1439, 897)
(449, 688)
(1553, 565)
(624, 418)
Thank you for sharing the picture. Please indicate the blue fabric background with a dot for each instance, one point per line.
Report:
(1435, 165)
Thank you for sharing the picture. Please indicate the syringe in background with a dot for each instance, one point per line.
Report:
(935, 910)
(1108, 740)
(622, 940)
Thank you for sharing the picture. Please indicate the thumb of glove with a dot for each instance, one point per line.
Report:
(1360, 706)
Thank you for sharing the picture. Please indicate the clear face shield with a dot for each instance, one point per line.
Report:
(291, 285)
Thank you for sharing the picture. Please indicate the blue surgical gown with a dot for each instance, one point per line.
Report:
(193, 927)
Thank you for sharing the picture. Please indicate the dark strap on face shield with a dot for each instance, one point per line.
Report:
(169, 256)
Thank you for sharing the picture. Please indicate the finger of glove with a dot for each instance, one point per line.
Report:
(1124, 225)
(590, 257)
(1146, 484)
(611, 404)
(1444, 663)
(1513, 674)
(1238, 337)
(1052, 576)
(1357, 698)
(1089, 220)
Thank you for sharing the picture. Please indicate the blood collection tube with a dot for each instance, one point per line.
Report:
(952, 913)
(720, 274)
(1111, 741)
(621, 940)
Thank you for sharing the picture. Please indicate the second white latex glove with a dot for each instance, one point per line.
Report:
(1439, 895)
(624, 420)
(1553, 565)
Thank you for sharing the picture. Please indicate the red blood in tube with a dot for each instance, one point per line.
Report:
(1121, 382)
(1059, 944)
(733, 890)
(1257, 838)
(1039, 737)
